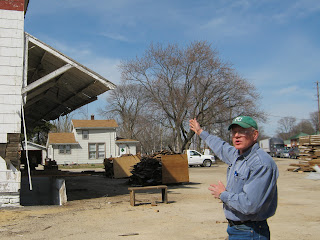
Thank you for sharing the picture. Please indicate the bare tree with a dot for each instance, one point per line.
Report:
(184, 83)
(314, 118)
(304, 126)
(63, 123)
(286, 126)
(126, 104)
(82, 113)
(262, 134)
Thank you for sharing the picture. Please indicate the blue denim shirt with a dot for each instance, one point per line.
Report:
(251, 190)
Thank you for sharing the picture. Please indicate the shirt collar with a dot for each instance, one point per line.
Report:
(247, 153)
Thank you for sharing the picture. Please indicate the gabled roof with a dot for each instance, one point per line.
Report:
(61, 138)
(94, 123)
(54, 84)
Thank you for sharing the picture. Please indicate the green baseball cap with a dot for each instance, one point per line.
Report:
(244, 121)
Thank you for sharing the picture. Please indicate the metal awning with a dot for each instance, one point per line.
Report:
(54, 84)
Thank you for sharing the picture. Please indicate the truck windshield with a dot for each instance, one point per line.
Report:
(193, 153)
(278, 145)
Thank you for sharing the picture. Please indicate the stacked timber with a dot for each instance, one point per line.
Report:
(108, 167)
(304, 166)
(309, 148)
(147, 172)
(164, 167)
(158, 155)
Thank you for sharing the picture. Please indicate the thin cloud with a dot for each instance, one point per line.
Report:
(298, 9)
(115, 36)
(288, 90)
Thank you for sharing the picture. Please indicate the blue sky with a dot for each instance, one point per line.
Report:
(273, 44)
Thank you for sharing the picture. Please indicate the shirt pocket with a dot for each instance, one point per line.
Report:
(240, 179)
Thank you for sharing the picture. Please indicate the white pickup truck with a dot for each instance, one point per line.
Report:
(196, 158)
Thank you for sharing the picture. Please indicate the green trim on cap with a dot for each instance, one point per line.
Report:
(244, 121)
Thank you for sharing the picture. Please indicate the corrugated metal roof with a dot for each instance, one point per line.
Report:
(95, 123)
(61, 138)
(26, 3)
(55, 84)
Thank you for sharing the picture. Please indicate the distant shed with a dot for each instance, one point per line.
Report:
(36, 154)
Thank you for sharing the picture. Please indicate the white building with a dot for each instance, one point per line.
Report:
(91, 141)
(37, 83)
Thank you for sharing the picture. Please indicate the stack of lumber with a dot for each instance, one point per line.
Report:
(158, 155)
(309, 148)
(147, 172)
(160, 168)
(304, 166)
(108, 167)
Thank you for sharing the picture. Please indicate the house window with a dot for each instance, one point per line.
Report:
(101, 150)
(64, 149)
(97, 150)
(85, 134)
(68, 149)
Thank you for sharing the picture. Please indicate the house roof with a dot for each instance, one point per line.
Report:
(61, 138)
(54, 84)
(111, 123)
(298, 135)
(33, 145)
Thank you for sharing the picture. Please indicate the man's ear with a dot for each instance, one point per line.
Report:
(255, 135)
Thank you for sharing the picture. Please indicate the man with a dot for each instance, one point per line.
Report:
(250, 196)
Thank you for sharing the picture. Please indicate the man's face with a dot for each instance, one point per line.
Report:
(243, 138)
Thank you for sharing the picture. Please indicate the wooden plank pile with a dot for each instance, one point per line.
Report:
(147, 172)
(108, 167)
(162, 167)
(309, 147)
(158, 155)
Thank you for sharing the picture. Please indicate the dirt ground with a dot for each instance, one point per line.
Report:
(99, 208)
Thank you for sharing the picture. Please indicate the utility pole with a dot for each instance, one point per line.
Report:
(318, 106)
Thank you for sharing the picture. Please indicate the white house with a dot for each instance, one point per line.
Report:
(91, 141)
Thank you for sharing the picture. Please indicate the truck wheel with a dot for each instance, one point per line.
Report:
(206, 163)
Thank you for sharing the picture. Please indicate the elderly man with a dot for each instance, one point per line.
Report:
(250, 196)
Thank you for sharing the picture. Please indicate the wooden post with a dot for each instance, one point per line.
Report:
(132, 198)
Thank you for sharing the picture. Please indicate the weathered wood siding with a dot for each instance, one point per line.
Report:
(11, 67)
